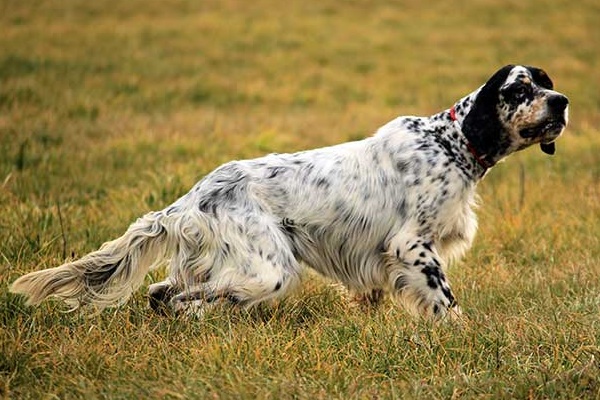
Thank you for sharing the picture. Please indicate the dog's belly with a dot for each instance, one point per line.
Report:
(354, 260)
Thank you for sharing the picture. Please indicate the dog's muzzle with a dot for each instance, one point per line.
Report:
(553, 127)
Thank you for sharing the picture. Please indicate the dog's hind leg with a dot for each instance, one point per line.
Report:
(249, 261)
(245, 288)
(191, 257)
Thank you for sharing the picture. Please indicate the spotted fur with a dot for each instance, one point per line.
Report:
(382, 215)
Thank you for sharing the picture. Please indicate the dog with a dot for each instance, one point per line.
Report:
(383, 215)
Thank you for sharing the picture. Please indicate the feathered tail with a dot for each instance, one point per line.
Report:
(105, 277)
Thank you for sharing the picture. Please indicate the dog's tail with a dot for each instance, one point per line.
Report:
(108, 276)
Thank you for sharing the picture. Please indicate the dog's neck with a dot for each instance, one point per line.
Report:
(480, 122)
(486, 139)
(453, 137)
(481, 160)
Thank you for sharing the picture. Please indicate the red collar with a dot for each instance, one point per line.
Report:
(484, 164)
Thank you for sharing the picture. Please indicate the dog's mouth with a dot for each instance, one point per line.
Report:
(548, 130)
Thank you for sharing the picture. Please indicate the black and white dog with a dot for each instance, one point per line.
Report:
(381, 215)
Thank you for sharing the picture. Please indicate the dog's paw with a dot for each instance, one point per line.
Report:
(369, 299)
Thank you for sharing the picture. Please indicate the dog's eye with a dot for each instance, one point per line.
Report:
(521, 91)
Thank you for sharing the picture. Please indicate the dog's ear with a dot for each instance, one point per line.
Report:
(488, 96)
(484, 106)
(541, 78)
(548, 148)
(481, 125)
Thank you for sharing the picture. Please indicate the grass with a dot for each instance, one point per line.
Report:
(110, 109)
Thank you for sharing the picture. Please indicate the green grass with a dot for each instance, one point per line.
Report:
(110, 109)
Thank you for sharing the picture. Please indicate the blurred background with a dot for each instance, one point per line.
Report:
(139, 99)
(109, 109)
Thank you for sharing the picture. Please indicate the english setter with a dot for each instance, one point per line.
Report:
(381, 215)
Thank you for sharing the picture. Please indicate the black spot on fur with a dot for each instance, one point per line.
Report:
(288, 225)
(272, 172)
(227, 183)
(447, 146)
(323, 183)
(400, 283)
(226, 249)
(433, 276)
(432, 282)
(446, 291)
(515, 94)
(402, 166)
(170, 210)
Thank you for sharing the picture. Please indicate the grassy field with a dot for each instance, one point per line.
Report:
(111, 109)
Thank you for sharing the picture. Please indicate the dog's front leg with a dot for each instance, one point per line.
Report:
(416, 275)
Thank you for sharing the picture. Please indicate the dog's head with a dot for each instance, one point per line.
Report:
(515, 109)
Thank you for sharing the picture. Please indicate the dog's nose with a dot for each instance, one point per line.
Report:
(558, 103)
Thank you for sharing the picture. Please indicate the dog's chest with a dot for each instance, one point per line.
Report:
(455, 227)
